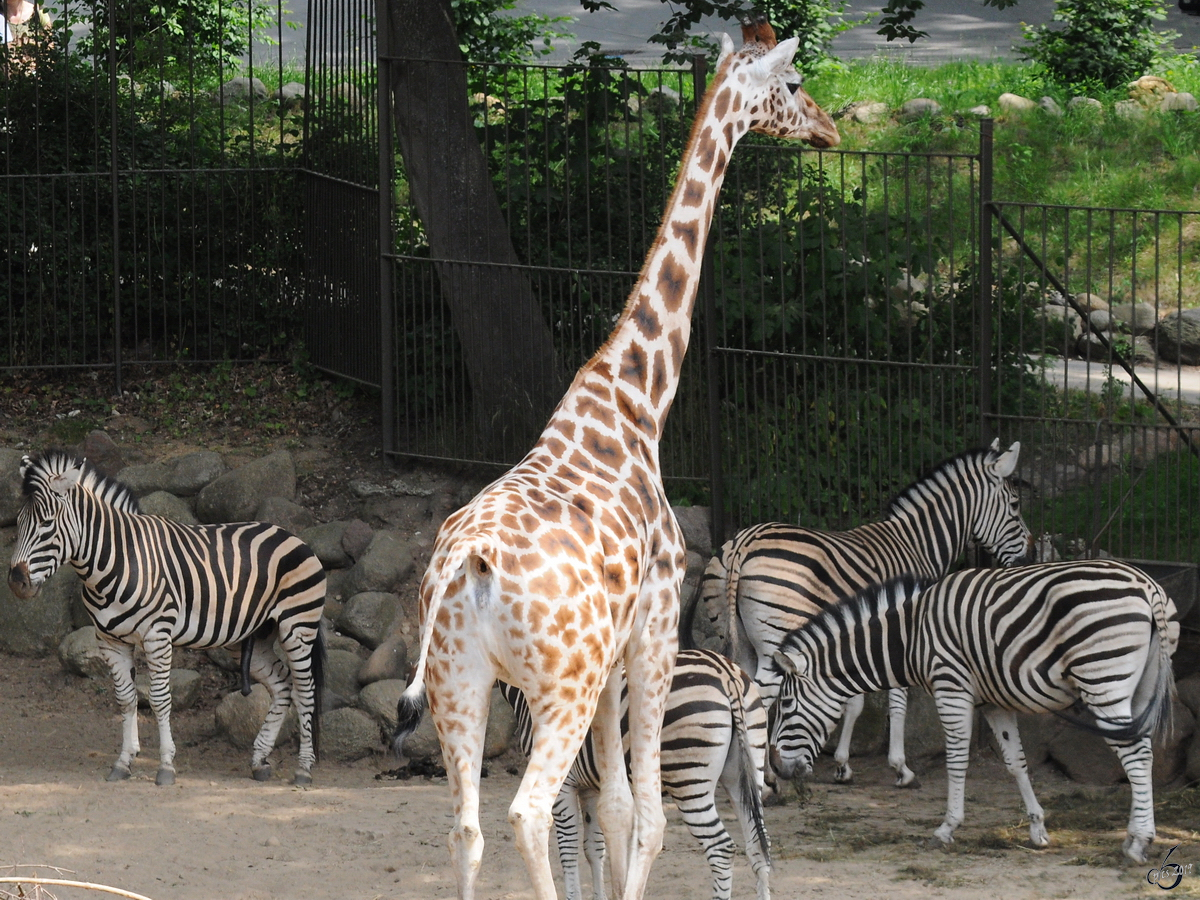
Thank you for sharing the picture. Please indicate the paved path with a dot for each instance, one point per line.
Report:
(1171, 383)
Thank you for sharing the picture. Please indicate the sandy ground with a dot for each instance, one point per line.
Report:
(218, 835)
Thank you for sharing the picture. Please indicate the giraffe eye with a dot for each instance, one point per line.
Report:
(481, 567)
(793, 87)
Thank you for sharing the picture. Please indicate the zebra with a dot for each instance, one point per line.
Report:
(771, 578)
(714, 730)
(1092, 636)
(157, 584)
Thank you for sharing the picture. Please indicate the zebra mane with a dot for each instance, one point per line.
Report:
(866, 604)
(913, 493)
(56, 461)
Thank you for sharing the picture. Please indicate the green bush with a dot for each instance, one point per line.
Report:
(1101, 42)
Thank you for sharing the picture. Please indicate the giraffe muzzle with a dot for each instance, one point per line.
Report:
(20, 584)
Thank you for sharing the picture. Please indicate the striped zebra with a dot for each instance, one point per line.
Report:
(1094, 637)
(157, 584)
(771, 578)
(714, 730)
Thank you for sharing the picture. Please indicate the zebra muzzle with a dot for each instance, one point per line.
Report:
(20, 584)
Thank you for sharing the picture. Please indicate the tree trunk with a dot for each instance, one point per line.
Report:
(516, 379)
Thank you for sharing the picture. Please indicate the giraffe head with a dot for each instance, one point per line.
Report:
(767, 95)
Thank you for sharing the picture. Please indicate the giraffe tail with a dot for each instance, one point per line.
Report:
(411, 706)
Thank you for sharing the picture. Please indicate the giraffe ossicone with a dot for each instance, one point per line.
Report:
(570, 564)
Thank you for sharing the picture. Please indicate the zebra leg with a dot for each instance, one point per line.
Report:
(300, 647)
(1137, 758)
(956, 710)
(897, 714)
(567, 817)
(1004, 726)
(158, 661)
(697, 804)
(843, 774)
(270, 671)
(757, 849)
(593, 841)
(119, 657)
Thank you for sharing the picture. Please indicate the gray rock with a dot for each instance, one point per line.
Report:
(145, 479)
(1063, 328)
(661, 101)
(1136, 318)
(190, 473)
(348, 734)
(341, 673)
(239, 718)
(368, 617)
(696, 524)
(1129, 109)
(1050, 106)
(242, 88)
(866, 112)
(388, 661)
(1084, 105)
(1090, 302)
(1145, 350)
(1089, 346)
(423, 743)
(1015, 103)
(919, 107)
(1181, 101)
(185, 689)
(235, 496)
(384, 566)
(161, 503)
(1192, 765)
(379, 700)
(1100, 320)
(982, 111)
(287, 515)
(100, 450)
(225, 659)
(334, 640)
(36, 627)
(291, 95)
(356, 538)
(11, 498)
(326, 542)
(1178, 337)
(1188, 690)
(79, 653)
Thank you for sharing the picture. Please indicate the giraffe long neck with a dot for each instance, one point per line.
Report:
(642, 358)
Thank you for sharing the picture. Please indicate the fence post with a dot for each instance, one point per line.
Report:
(711, 338)
(387, 329)
(114, 176)
(985, 281)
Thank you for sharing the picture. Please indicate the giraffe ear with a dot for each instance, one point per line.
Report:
(726, 49)
(1007, 463)
(781, 56)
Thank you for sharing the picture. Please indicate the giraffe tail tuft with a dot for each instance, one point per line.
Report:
(409, 711)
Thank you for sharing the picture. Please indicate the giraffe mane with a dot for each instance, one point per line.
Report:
(57, 460)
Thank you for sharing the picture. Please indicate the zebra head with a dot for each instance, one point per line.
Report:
(803, 715)
(49, 524)
(996, 522)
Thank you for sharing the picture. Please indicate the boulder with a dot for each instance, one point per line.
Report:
(287, 515)
(662, 100)
(349, 734)
(384, 565)
(1181, 101)
(423, 743)
(341, 673)
(291, 95)
(235, 496)
(1145, 351)
(1100, 320)
(11, 498)
(919, 108)
(162, 503)
(242, 88)
(696, 524)
(79, 654)
(356, 538)
(379, 700)
(239, 718)
(368, 617)
(1050, 106)
(1135, 318)
(326, 542)
(334, 640)
(190, 473)
(1089, 346)
(865, 112)
(185, 689)
(36, 627)
(982, 111)
(1015, 103)
(1090, 302)
(1178, 337)
(388, 661)
(145, 479)
(100, 450)
(1129, 109)
(1149, 90)
(1084, 105)
(1063, 328)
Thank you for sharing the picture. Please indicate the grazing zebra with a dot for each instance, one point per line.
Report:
(714, 730)
(1091, 636)
(771, 578)
(153, 583)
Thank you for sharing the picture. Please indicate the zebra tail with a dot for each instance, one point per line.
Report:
(687, 640)
(318, 673)
(411, 706)
(748, 783)
(732, 561)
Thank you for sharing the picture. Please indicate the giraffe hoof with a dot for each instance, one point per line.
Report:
(911, 785)
(262, 773)
(301, 778)
(164, 777)
(119, 773)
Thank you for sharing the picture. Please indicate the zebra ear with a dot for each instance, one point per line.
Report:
(26, 462)
(1007, 463)
(61, 482)
(995, 446)
(791, 663)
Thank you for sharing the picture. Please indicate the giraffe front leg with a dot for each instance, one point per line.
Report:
(843, 774)
(1004, 726)
(1137, 759)
(158, 661)
(615, 807)
(119, 657)
(897, 714)
(956, 711)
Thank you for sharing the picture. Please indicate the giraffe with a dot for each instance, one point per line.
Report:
(569, 565)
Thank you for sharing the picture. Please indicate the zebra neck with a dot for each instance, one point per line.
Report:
(931, 535)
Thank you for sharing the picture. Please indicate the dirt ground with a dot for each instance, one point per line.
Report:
(218, 835)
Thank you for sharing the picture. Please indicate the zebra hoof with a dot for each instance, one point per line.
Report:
(843, 775)
(911, 785)
(302, 779)
(164, 777)
(119, 773)
(262, 773)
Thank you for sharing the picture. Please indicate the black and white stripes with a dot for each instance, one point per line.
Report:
(1093, 637)
(154, 583)
(714, 731)
(771, 578)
